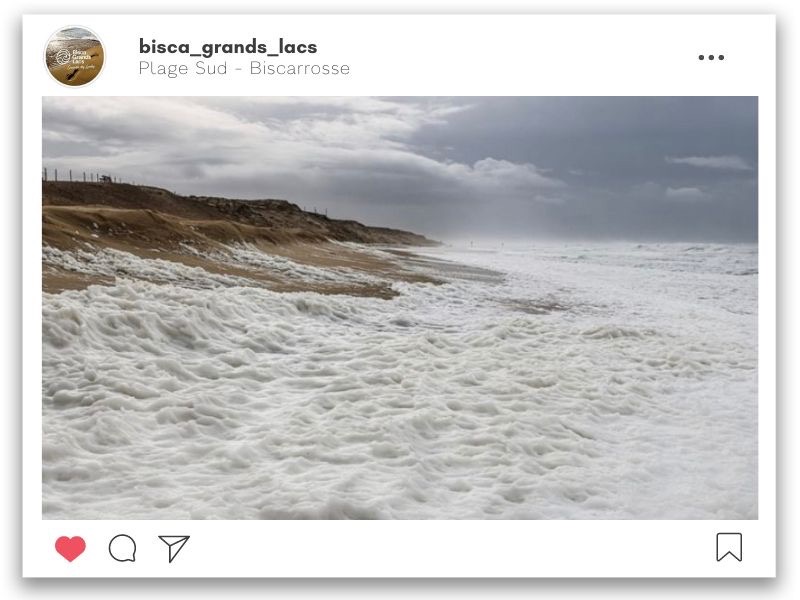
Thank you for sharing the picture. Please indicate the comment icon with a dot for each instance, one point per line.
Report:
(122, 548)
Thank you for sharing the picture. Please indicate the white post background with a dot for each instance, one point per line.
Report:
(502, 55)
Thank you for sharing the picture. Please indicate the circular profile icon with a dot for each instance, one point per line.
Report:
(74, 56)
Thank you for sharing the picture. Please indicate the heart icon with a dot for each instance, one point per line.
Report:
(70, 548)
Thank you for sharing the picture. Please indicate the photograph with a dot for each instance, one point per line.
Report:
(74, 56)
(427, 308)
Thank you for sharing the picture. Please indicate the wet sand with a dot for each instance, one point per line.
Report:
(75, 72)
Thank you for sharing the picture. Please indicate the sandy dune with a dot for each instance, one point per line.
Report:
(205, 233)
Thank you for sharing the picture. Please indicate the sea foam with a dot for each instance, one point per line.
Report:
(538, 382)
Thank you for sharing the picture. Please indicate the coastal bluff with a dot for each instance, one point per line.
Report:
(156, 217)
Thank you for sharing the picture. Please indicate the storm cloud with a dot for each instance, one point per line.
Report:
(637, 168)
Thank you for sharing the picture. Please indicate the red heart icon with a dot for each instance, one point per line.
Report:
(70, 548)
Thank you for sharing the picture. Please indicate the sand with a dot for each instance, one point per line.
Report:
(254, 242)
(73, 73)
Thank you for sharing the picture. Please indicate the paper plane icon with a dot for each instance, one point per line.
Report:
(175, 543)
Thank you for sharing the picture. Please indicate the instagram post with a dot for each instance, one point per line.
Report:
(348, 282)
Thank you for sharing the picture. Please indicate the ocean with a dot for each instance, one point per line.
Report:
(539, 381)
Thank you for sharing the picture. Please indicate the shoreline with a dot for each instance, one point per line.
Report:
(92, 232)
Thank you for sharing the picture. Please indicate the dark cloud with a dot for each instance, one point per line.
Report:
(575, 167)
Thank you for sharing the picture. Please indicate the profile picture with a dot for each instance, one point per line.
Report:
(74, 56)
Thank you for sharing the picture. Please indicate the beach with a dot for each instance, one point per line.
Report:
(210, 368)
(92, 231)
(86, 58)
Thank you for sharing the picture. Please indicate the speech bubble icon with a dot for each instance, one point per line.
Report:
(122, 548)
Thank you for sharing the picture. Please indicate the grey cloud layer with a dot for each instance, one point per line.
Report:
(632, 168)
(737, 163)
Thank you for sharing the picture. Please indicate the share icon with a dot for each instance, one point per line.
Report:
(175, 543)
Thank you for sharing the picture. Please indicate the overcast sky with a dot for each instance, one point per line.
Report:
(508, 168)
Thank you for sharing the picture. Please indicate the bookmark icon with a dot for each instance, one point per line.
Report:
(175, 543)
(729, 544)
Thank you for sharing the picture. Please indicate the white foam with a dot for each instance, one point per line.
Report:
(118, 264)
(605, 381)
